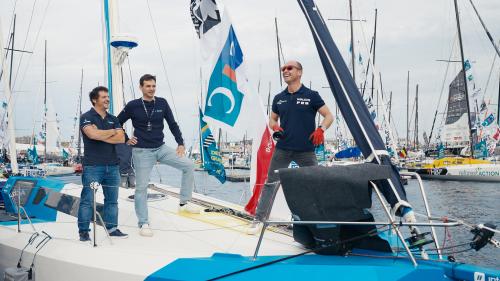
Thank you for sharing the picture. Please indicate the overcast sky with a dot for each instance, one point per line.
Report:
(411, 35)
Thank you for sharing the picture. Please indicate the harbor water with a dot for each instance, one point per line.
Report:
(472, 202)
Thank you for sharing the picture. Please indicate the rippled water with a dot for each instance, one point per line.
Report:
(473, 202)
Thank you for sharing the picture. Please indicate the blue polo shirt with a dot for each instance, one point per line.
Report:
(157, 111)
(297, 114)
(98, 152)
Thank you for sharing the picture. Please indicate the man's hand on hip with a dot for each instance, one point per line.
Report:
(180, 151)
(132, 141)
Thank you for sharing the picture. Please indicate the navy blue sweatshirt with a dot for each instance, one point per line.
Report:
(157, 110)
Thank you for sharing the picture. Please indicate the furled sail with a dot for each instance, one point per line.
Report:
(351, 104)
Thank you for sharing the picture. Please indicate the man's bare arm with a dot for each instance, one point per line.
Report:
(273, 119)
(327, 117)
(92, 132)
(118, 138)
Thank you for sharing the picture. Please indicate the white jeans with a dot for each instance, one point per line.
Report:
(144, 160)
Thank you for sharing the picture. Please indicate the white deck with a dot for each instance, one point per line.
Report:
(135, 258)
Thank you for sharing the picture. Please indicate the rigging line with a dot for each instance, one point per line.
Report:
(443, 85)
(9, 35)
(162, 61)
(36, 40)
(485, 29)
(489, 75)
(131, 79)
(379, 88)
(24, 44)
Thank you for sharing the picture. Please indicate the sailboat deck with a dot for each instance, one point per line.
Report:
(175, 236)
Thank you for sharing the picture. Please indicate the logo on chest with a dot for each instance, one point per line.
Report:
(303, 101)
(281, 102)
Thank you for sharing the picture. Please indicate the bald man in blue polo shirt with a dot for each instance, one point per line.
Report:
(293, 119)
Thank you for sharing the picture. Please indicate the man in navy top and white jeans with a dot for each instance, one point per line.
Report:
(147, 114)
(101, 131)
(295, 108)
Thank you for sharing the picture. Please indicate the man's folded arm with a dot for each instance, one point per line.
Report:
(92, 132)
(118, 138)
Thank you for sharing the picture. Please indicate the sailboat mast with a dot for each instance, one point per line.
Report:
(268, 100)
(10, 113)
(279, 50)
(353, 56)
(498, 102)
(407, 109)
(13, 36)
(390, 106)
(374, 49)
(45, 101)
(199, 118)
(79, 155)
(465, 79)
(416, 118)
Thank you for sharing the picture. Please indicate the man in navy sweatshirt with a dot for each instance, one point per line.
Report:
(148, 148)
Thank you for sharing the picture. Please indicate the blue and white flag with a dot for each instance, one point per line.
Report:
(467, 65)
(230, 103)
(33, 155)
(440, 150)
(488, 120)
(212, 160)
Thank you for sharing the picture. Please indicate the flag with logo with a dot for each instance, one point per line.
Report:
(481, 149)
(320, 153)
(212, 161)
(440, 151)
(488, 120)
(33, 155)
(230, 103)
(65, 154)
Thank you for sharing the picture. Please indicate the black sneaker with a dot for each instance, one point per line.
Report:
(84, 236)
(118, 234)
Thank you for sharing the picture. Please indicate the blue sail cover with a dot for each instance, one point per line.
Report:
(351, 103)
(350, 152)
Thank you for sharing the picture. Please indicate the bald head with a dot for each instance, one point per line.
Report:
(292, 72)
(294, 63)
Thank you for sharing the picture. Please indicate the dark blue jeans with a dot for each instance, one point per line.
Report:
(109, 177)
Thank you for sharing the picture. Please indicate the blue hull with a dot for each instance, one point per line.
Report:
(317, 267)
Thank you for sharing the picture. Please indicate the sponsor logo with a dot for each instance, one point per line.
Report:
(224, 99)
(479, 172)
(280, 102)
(86, 121)
(479, 276)
(303, 101)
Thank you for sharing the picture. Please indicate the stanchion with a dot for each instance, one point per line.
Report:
(95, 186)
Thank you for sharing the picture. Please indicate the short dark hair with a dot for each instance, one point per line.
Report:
(94, 94)
(146, 77)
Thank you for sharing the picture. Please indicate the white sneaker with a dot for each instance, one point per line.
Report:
(254, 228)
(145, 230)
(189, 208)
